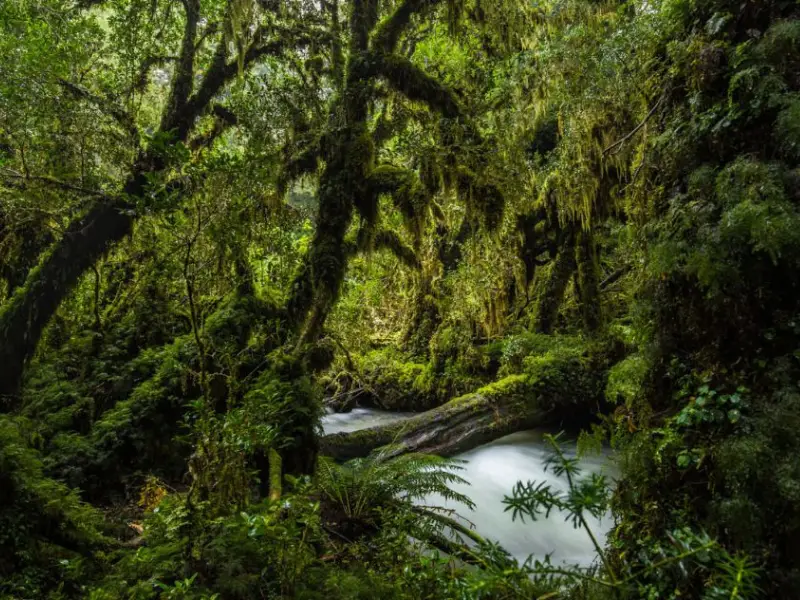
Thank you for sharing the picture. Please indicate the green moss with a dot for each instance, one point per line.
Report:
(396, 381)
(517, 348)
(625, 380)
(408, 194)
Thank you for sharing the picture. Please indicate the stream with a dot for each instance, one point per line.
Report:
(492, 471)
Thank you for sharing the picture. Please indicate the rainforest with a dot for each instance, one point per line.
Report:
(399, 299)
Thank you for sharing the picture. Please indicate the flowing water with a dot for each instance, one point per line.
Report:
(492, 471)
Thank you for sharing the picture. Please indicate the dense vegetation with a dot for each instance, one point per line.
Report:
(219, 218)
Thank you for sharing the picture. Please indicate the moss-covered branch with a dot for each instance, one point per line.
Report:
(411, 81)
(407, 192)
(183, 79)
(389, 30)
(389, 240)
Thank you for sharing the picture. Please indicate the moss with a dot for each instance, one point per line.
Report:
(284, 399)
(142, 429)
(413, 83)
(515, 349)
(587, 281)
(232, 323)
(395, 381)
(407, 191)
(552, 292)
(625, 380)
(556, 386)
(389, 240)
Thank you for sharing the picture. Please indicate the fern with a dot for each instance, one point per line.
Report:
(362, 485)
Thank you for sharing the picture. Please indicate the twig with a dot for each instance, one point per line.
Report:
(614, 277)
(52, 181)
(636, 129)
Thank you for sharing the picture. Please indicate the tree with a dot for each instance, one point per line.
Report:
(147, 183)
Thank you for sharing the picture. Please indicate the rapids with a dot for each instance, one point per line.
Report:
(492, 471)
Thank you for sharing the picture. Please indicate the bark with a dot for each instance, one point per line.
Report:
(556, 285)
(425, 316)
(28, 241)
(457, 426)
(535, 242)
(587, 281)
(563, 386)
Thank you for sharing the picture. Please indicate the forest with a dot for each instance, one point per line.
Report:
(279, 278)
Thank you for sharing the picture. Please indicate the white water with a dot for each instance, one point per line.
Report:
(493, 470)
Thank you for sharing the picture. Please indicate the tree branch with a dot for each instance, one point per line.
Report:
(183, 80)
(388, 31)
(614, 277)
(412, 82)
(221, 71)
(224, 120)
(386, 239)
(105, 105)
(140, 81)
(337, 55)
(363, 16)
(636, 129)
(53, 182)
(302, 163)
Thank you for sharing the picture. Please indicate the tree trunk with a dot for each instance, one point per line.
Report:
(425, 315)
(588, 286)
(563, 387)
(552, 295)
(28, 311)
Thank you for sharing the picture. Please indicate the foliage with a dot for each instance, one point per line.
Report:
(214, 213)
(692, 564)
(363, 484)
(47, 531)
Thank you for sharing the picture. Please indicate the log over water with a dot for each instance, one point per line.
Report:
(555, 387)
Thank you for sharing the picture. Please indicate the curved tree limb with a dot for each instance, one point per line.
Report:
(411, 81)
(183, 80)
(616, 145)
(27, 312)
(388, 31)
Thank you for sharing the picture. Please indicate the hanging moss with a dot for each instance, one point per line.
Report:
(408, 79)
(587, 281)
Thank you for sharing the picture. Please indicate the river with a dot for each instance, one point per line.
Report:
(492, 471)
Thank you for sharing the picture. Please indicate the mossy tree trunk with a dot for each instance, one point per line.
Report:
(425, 316)
(587, 283)
(552, 295)
(348, 150)
(30, 308)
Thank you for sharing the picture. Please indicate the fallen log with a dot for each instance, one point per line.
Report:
(561, 387)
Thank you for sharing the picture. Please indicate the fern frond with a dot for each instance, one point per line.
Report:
(363, 485)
